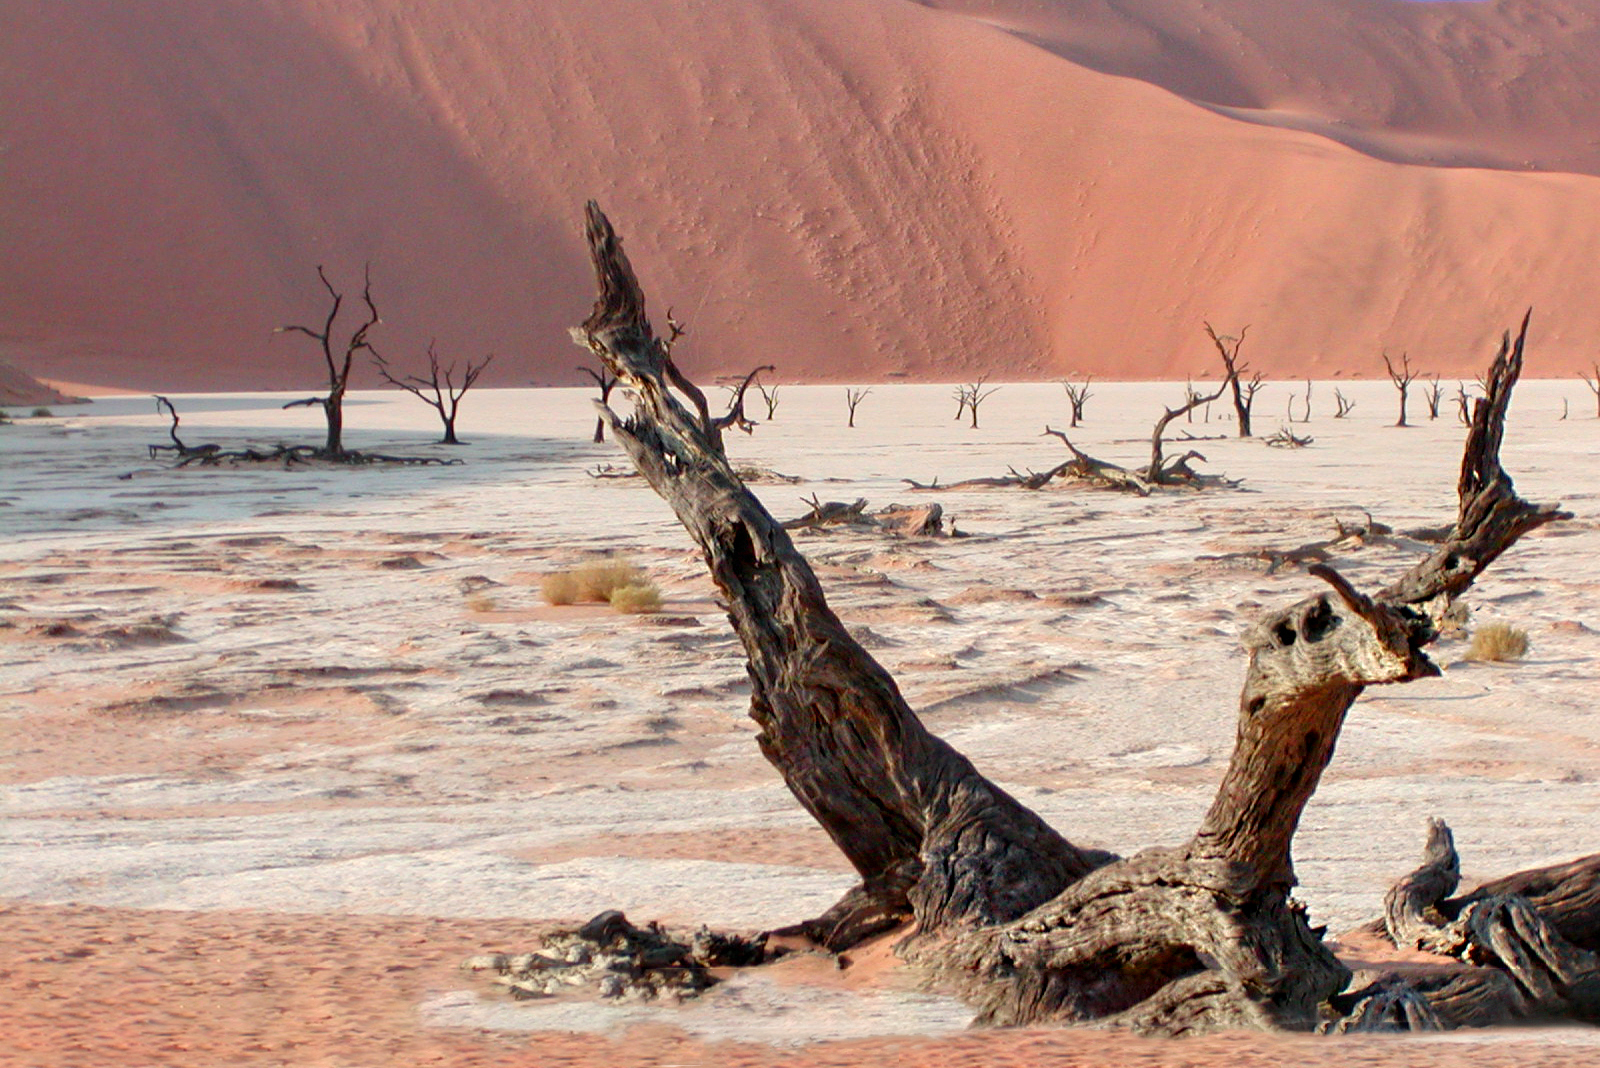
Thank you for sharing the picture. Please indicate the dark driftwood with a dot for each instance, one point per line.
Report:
(1029, 926)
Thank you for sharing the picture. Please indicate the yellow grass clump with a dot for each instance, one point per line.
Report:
(1498, 641)
(559, 587)
(596, 581)
(480, 603)
(637, 597)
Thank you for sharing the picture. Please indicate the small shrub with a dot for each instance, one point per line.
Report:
(1498, 642)
(42, 413)
(559, 587)
(598, 578)
(480, 603)
(637, 598)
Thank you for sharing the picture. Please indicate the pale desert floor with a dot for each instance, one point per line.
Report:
(279, 749)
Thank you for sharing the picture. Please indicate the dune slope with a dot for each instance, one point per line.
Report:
(849, 190)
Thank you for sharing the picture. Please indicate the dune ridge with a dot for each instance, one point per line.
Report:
(852, 191)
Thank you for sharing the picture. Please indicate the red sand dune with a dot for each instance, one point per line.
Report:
(850, 189)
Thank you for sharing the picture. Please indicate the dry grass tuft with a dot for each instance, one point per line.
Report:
(480, 603)
(637, 598)
(598, 579)
(559, 587)
(594, 581)
(1498, 642)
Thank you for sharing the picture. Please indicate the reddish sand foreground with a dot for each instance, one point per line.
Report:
(128, 987)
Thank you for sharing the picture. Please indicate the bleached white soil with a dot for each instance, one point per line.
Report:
(339, 690)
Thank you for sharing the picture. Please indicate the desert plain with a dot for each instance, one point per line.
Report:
(281, 748)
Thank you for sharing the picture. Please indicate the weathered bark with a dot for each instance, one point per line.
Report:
(1528, 940)
(931, 838)
(1029, 926)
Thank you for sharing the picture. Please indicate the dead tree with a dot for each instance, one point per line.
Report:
(852, 398)
(1433, 397)
(1077, 395)
(1594, 387)
(1243, 392)
(735, 416)
(1463, 404)
(769, 397)
(445, 395)
(1289, 405)
(1344, 404)
(336, 358)
(605, 382)
(1027, 925)
(184, 452)
(970, 397)
(1402, 377)
(1161, 473)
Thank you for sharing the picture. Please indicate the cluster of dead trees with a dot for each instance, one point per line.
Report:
(1029, 926)
(441, 389)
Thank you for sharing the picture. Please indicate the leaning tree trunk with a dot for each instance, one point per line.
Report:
(931, 838)
(1028, 926)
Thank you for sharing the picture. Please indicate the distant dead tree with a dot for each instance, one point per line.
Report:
(1243, 392)
(854, 397)
(185, 452)
(1463, 404)
(971, 396)
(1433, 396)
(1198, 935)
(1077, 395)
(605, 382)
(1594, 387)
(769, 397)
(1344, 404)
(1189, 394)
(1402, 377)
(735, 416)
(439, 390)
(336, 358)
(1307, 419)
(1161, 472)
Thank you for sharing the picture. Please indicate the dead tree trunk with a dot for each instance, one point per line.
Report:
(337, 364)
(853, 399)
(1594, 387)
(1228, 349)
(1156, 473)
(1402, 377)
(970, 397)
(929, 836)
(1077, 396)
(1029, 926)
(605, 382)
(1433, 396)
(446, 395)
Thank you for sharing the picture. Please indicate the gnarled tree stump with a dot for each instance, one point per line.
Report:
(1027, 925)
